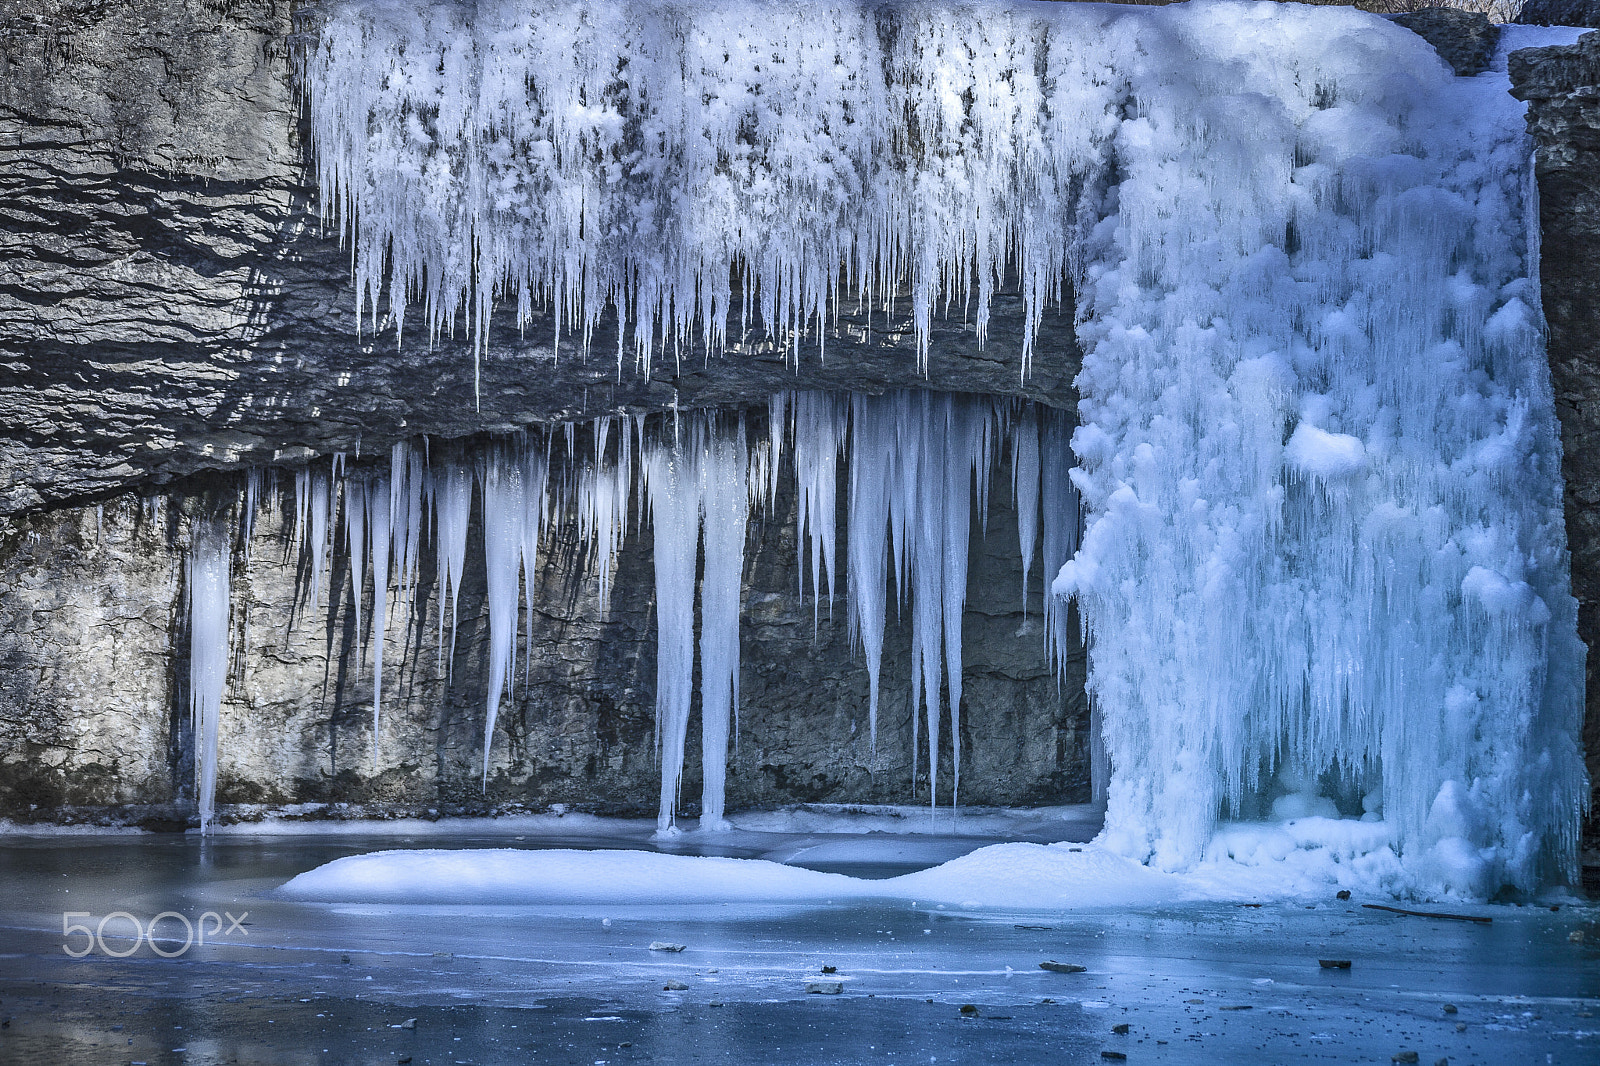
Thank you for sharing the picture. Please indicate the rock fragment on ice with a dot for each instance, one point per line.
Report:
(1062, 967)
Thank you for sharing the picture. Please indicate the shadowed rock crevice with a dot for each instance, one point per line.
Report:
(1562, 87)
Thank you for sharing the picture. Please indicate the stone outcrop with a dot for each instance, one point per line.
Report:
(1562, 87)
(1463, 39)
(1560, 13)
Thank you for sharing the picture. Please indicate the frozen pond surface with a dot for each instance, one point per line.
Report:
(303, 982)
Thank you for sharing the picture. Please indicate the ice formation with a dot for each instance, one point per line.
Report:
(210, 561)
(915, 466)
(575, 155)
(1324, 565)
(1324, 553)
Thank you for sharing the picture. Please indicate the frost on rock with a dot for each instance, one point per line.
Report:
(1323, 553)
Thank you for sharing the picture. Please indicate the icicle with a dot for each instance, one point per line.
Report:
(380, 533)
(873, 467)
(505, 516)
(1058, 499)
(302, 505)
(405, 512)
(818, 433)
(355, 525)
(535, 479)
(777, 430)
(318, 512)
(452, 499)
(247, 519)
(926, 524)
(209, 566)
(726, 503)
(673, 482)
(965, 432)
(603, 505)
(1025, 491)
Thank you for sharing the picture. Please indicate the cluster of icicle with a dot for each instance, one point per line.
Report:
(914, 466)
(637, 155)
(1318, 447)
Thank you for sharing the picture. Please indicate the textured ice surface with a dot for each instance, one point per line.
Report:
(636, 153)
(1324, 548)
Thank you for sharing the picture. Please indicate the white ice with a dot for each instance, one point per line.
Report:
(210, 563)
(1318, 452)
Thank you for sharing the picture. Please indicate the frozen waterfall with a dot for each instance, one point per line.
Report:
(1323, 568)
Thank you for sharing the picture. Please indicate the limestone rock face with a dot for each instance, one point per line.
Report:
(1560, 13)
(1464, 39)
(1562, 87)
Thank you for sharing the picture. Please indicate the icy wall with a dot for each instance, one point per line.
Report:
(98, 639)
(917, 467)
(1325, 554)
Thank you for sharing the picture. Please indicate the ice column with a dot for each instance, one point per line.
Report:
(874, 457)
(672, 481)
(379, 517)
(819, 422)
(452, 502)
(505, 516)
(210, 559)
(725, 507)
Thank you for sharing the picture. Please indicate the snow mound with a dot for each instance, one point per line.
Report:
(1003, 876)
(561, 876)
